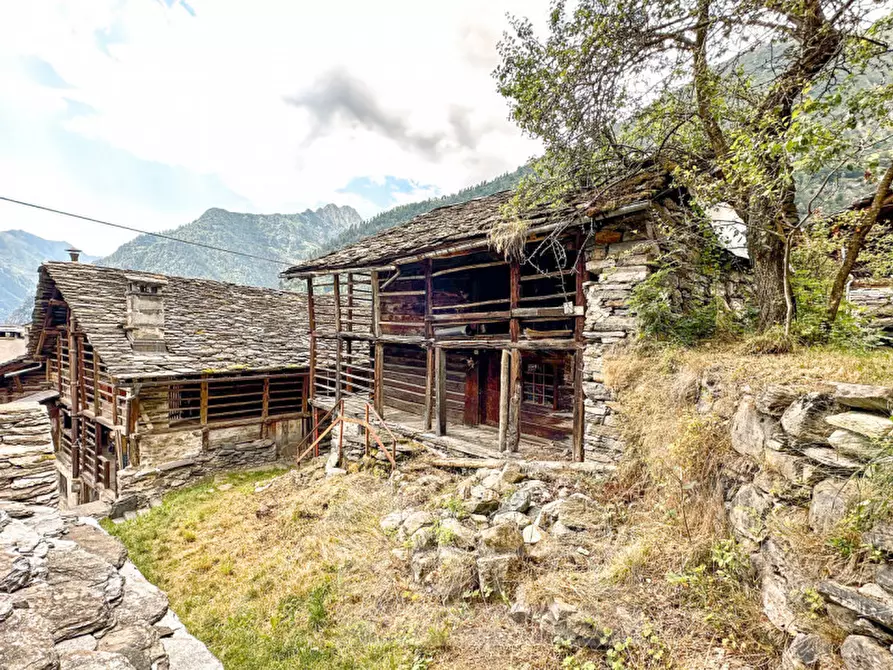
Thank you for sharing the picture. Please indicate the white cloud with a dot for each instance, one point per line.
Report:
(208, 94)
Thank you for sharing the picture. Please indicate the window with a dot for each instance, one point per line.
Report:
(539, 384)
(184, 404)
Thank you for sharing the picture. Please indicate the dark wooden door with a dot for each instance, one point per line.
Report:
(490, 387)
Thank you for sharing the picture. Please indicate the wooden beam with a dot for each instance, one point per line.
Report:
(336, 293)
(514, 299)
(429, 298)
(580, 297)
(513, 431)
(378, 381)
(440, 390)
(376, 306)
(464, 268)
(579, 407)
(429, 387)
(338, 345)
(203, 403)
(504, 381)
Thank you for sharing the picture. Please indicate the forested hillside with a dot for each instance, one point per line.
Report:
(288, 237)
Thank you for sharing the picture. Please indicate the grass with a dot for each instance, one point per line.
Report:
(313, 583)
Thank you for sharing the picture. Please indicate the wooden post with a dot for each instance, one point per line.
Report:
(440, 389)
(515, 298)
(311, 322)
(366, 432)
(429, 299)
(336, 292)
(338, 344)
(203, 403)
(341, 435)
(73, 381)
(579, 407)
(59, 363)
(504, 381)
(376, 305)
(378, 380)
(265, 407)
(580, 298)
(429, 387)
(513, 432)
(96, 393)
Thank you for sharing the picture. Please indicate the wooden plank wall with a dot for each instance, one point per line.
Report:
(403, 378)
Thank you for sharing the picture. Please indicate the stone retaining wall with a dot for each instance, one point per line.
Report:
(806, 460)
(69, 598)
(27, 466)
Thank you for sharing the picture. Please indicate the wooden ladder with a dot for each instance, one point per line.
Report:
(340, 420)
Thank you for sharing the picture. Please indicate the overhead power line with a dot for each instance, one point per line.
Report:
(144, 232)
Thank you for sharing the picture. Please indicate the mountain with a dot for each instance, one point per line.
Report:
(21, 254)
(288, 237)
(403, 213)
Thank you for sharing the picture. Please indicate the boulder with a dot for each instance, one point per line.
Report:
(531, 534)
(416, 520)
(831, 499)
(26, 642)
(501, 539)
(15, 571)
(423, 538)
(569, 623)
(391, 522)
(139, 643)
(863, 653)
(751, 430)
(482, 501)
(775, 399)
(805, 418)
(422, 563)
(519, 501)
(884, 576)
(749, 509)
(520, 611)
(580, 512)
(496, 574)
(832, 459)
(538, 491)
(853, 445)
(779, 584)
(796, 469)
(511, 473)
(96, 541)
(520, 520)
(94, 660)
(865, 606)
(880, 537)
(455, 573)
(805, 652)
(460, 536)
(142, 600)
(852, 623)
(864, 396)
(184, 651)
(874, 426)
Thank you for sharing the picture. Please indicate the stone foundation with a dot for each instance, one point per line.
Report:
(27, 466)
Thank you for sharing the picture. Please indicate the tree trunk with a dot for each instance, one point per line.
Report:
(855, 244)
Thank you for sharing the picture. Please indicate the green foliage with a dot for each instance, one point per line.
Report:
(813, 270)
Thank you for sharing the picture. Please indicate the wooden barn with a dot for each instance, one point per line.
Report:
(163, 379)
(450, 339)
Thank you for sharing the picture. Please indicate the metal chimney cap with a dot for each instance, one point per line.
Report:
(74, 254)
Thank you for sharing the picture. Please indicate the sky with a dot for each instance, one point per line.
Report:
(149, 112)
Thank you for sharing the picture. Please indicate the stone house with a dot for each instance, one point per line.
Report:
(159, 379)
(483, 352)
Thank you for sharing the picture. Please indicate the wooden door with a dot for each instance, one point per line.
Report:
(490, 370)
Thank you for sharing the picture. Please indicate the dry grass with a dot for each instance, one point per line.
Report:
(311, 582)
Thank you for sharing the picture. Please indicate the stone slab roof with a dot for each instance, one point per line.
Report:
(464, 222)
(209, 326)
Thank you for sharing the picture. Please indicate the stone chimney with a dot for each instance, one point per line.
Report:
(145, 313)
(74, 254)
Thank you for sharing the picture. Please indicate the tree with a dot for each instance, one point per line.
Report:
(734, 98)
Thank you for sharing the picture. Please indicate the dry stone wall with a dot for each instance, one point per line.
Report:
(69, 598)
(27, 466)
(810, 456)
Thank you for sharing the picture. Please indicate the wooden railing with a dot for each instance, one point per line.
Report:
(366, 424)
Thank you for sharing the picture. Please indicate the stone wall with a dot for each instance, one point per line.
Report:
(875, 298)
(806, 458)
(69, 598)
(624, 254)
(27, 467)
